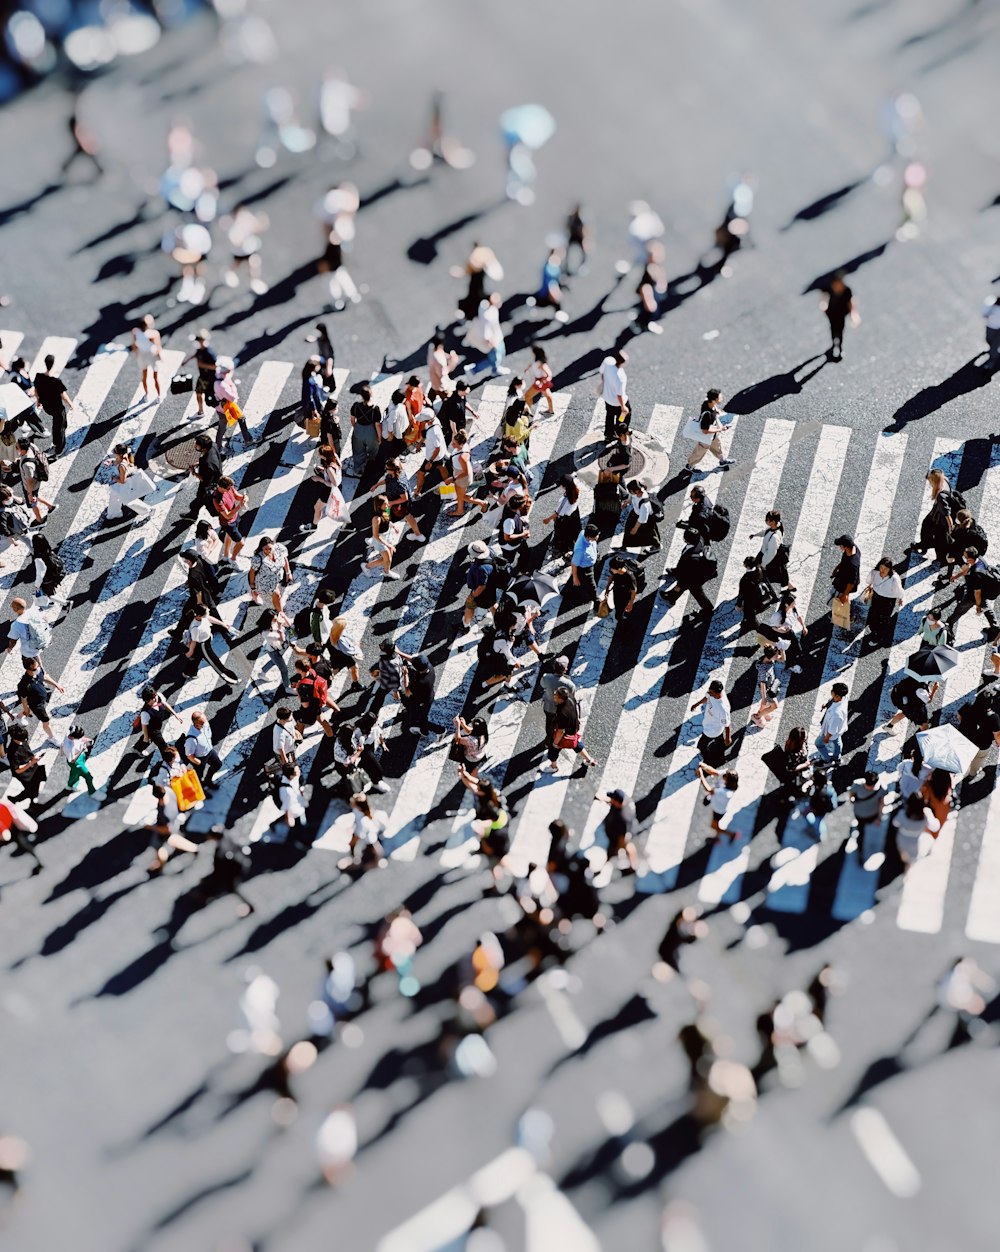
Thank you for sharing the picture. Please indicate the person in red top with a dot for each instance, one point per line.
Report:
(227, 502)
(313, 690)
(414, 398)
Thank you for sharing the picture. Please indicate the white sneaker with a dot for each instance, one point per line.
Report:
(550, 767)
(391, 574)
(381, 787)
(795, 669)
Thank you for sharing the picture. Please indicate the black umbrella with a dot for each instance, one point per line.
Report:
(933, 662)
(534, 589)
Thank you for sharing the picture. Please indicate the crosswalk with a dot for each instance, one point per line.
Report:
(120, 623)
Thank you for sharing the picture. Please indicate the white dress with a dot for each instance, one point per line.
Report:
(146, 351)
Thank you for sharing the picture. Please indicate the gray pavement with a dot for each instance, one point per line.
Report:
(146, 1129)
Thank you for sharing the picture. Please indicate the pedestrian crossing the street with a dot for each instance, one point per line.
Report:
(648, 733)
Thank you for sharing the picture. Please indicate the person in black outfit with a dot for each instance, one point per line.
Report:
(366, 421)
(205, 358)
(846, 576)
(329, 426)
(202, 589)
(18, 371)
(754, 593)
(54, 399)
(208, 471)
(700, 517)
(838, 304)
(690, 574)
(25, 766)
(454, 412)
(624, 587)
(418, 695)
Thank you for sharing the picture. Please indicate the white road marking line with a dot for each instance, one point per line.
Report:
(788, 891)
(884, 1153)
(856, 885)
(983, 921)
(10, 341)
(59, 346)
(531, 837)
(551, 1219)
(728, 862)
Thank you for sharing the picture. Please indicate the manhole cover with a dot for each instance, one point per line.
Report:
(648, 462)
(183, 455)
(636, 465)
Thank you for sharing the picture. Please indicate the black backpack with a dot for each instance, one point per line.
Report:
(718, 523)
(302, 622)
(502, 575)
(988, 581)
(12, 523)
(656, 509)
(978, 539)
(484, 649)
(41, 461)
(956, 502)
(637, 572)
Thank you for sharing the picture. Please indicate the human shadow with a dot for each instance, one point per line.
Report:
(810, 212)
(777, 387)
(389, 189)
(633, 1012)
(822, 281)
(13, 211)
(967, 378)
(424, 250)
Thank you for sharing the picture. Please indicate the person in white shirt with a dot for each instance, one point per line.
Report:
(614, 381)
(641, 529)
(199, 647)
(395, 423)
(486, 335)
(991, 316)
(884, 594)
(290, 795)
(29, 629)
(716, 724)
(718, 798)
(434, 454)
(199, 750)
(284, 736)
(830, 740)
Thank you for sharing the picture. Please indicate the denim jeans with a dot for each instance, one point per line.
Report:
(830, 751)
(491, 361)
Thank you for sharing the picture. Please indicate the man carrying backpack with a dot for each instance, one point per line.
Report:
(982, 586)
(695, 567)
(710, 521)
(34, 470)
(29, 629)
(480, 581)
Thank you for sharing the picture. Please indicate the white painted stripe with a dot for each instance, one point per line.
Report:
(788, 891)
(728, 862)
(856, 885)
(885, 1153)
(420, 783)
(59, 346)
(925, 883)
(552, 1221)
(10, 341)
(678, 801)
(531, 837)
(983, 922)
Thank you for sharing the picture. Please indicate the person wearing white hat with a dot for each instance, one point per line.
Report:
(479, 580)
(227, 404)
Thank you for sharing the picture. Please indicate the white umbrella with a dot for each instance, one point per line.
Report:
(13, 401)
(945, 747)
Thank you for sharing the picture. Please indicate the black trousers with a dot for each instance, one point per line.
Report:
(964, 605)
(208, 766)
(59, 430)
(697, 593)
(587, 589)
(204, 652)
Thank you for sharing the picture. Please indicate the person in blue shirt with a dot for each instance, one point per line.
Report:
(479, 581)
(585, 559)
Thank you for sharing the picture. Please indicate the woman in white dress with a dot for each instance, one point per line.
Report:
(269, 569)
(148, 349)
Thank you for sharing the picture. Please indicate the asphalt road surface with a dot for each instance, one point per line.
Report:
(118, 1003)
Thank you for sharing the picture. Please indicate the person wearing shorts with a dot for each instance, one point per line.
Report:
(205, 358)
(227, 502)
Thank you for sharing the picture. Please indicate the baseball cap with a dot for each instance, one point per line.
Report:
(617, 794)
(844, 541)
(477, 550)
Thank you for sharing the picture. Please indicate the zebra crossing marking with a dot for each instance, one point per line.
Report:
(983, 919)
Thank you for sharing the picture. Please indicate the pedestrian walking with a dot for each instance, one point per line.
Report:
(313, 691)
(868, 797)
(440, 365)
(148, 349)
(49, 571)
(716, 724)
(227, 405)
(417, 695)
(290, 799)
(773, 556)
(151, 719)
(830, 740)
(642, 521)
(270, 573)
(565, 517)
(583, 561)
(695, 567)
(26, 766)
(199, 749)
(965, 533)
(651, 289)
(366, 431)
(767, 685)
(753, 594)
(837, 302)
(313, 395)
(351, 753)
(550, 293)
(244, 229)
(206, 360)
(480, 582)
(979, 721)
(884, 596)
(845, 579)
(913, 826)
(207, 470)
(33, 468)
(462, 474)
(567, 736)
(455, 412)
(579, 236)
(33, 692)
(936, 526)
(435, 458)
(164, 832)
(28, 629)
(710, 426)
(794, 765)
(788, 627)
(540, 380)
(16, 824)
(621, 828)
(369, 827)
(199, 645)
(982, 586)
(55, 400)
(227, 504)
(275, 628)
(614, 393)
(912, 697)
(486, 337)
(285, 735)
(718, 797)
(19, 376)
(129, 485)
(623, 587)
(383, 540)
